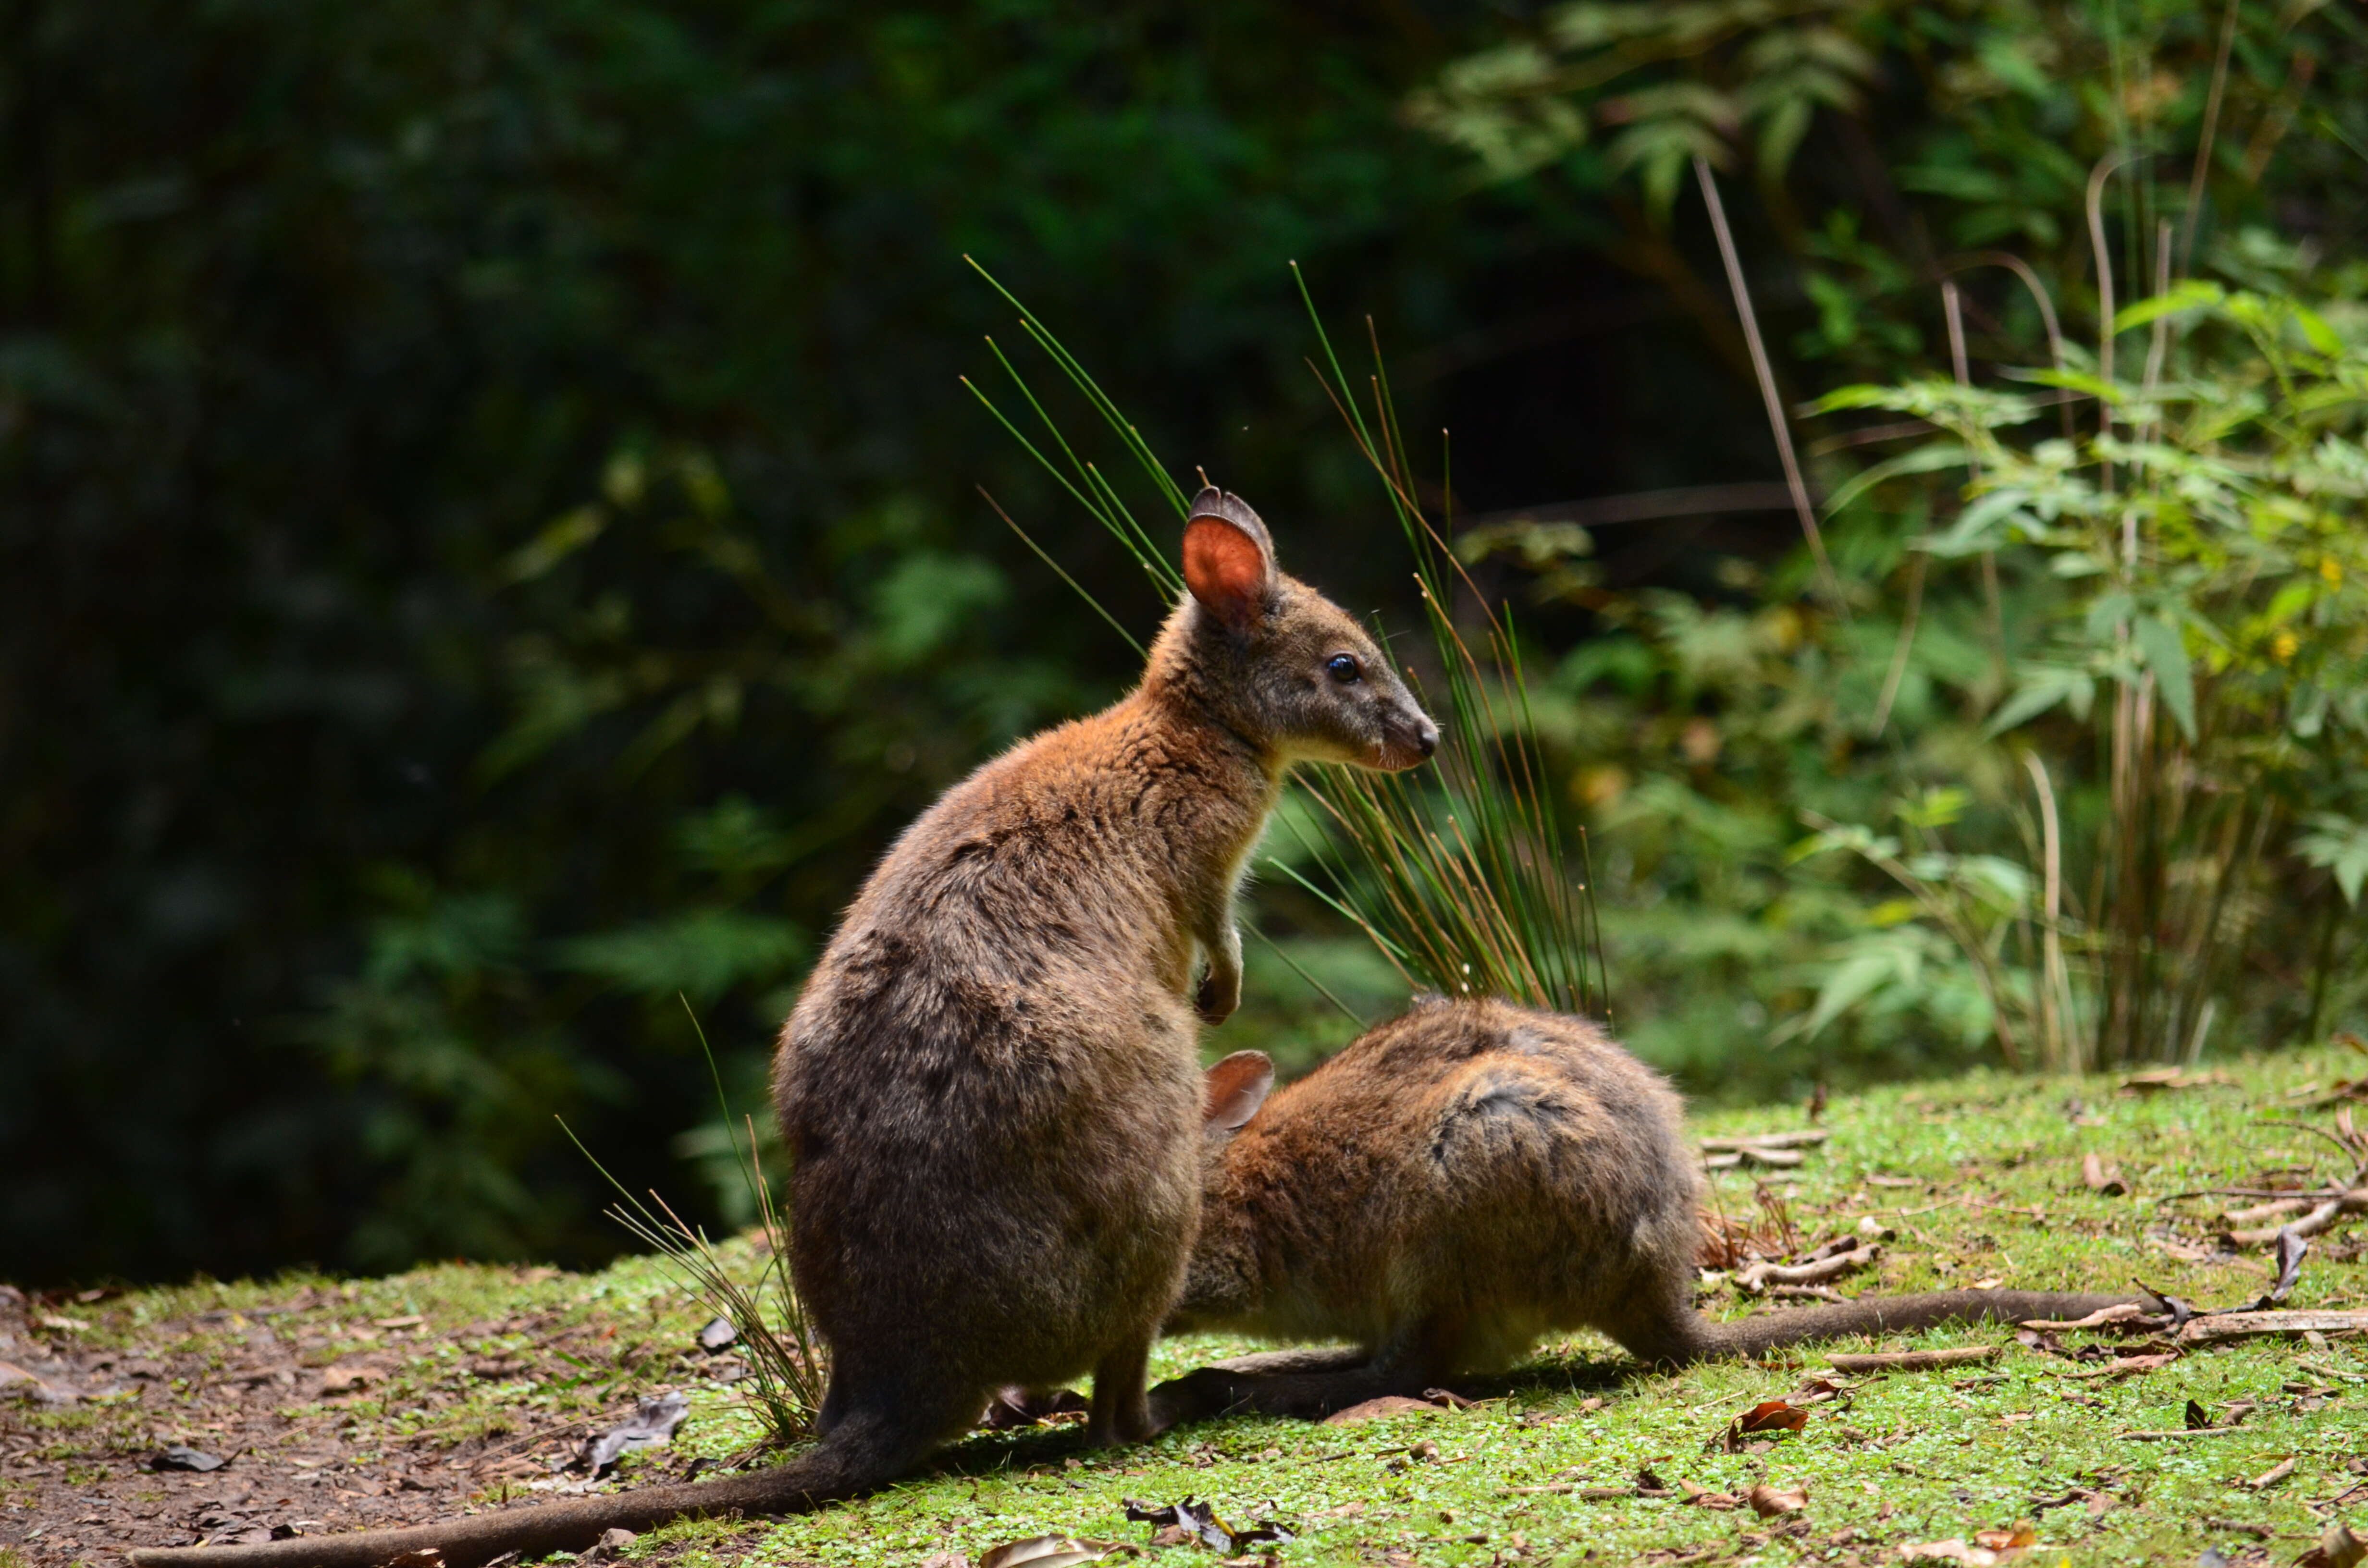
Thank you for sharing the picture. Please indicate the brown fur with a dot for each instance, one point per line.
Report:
(990, 1083)
(1450, 1187)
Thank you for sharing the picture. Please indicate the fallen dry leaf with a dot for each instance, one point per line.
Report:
(2021, 1535)
(1770, 1503)
(654, 1420)
(2103, 1177)
(1193, 1520)
(1704, 1498)
(2155, 1080)
(1053, 1551)
(612, 1543)
(180, 1456)
(2338, 1548)
(1766, 1419)
(345, 1379)
(1387, 1404)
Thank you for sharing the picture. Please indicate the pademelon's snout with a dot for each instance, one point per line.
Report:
(1407, 741)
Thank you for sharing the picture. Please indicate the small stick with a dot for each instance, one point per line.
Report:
(1767, 378)
(2310, 1224)
(2241, 1325)
(1760, 1275)
(2271, 1210)
(1911, 1360)
(1799, 1139)
(2097, 1319)
(2272, 1475)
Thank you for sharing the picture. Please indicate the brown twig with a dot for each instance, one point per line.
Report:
(1766, 377)
(1911, 1360)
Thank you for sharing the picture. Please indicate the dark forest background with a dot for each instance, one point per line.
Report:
(490, 534)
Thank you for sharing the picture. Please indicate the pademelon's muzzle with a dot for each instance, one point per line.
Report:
(1406, 745)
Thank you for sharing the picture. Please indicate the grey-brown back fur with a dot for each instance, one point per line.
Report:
(1454, 1184)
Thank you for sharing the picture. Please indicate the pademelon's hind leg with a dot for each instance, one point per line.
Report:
(1120, 1410)
(1315, 1384)
(1266, 1363)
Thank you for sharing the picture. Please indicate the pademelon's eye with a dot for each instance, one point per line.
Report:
(1344, 667)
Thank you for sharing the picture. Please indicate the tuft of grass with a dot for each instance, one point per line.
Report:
(786, 1366)
(1460, 878)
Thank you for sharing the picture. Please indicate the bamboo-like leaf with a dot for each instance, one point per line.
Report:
(1458, 877)
(2194, 294)
(2166, 656)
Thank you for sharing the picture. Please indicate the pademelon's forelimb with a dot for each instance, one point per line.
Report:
(862, 1453)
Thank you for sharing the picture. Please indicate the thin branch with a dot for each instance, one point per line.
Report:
(2211, 131)
(1906, 641)
(1767, 375)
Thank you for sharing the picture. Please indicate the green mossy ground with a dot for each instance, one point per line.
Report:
(1997, 1195)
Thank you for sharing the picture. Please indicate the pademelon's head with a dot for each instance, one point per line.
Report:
(1277, 662)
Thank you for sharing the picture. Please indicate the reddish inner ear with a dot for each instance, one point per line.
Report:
(1236, 1087)
(1225, 569)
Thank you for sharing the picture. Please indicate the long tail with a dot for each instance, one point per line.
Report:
(861, 1454)
(1882, 1314)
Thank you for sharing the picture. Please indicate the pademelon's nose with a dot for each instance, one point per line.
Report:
(1426, 738)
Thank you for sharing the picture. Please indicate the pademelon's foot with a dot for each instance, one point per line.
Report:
(1209, 1392)
(1121, 1412)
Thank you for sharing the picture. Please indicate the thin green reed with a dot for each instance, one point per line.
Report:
(1458, 875)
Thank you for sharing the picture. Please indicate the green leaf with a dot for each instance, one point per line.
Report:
(1863, 396)
(1924, 459)
(2314, 328)
(2190, 295)
(2072, 380)
(2165, 651)
(1971, 532)
(559, 539)
(1853, 981)
(2340, 845)
(2043, 687)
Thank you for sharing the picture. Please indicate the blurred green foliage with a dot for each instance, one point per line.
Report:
(488, 537)
(2082, 718)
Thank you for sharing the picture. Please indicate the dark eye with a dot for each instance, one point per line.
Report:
(1344, 667)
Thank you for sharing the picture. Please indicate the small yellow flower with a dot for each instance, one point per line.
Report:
(2333, 570)
(2284, 645)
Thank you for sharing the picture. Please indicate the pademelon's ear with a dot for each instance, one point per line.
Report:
(1228, 558)
(1236, 1088)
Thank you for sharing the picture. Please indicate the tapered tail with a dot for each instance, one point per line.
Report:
(861, 1454)
(1887, 1315)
